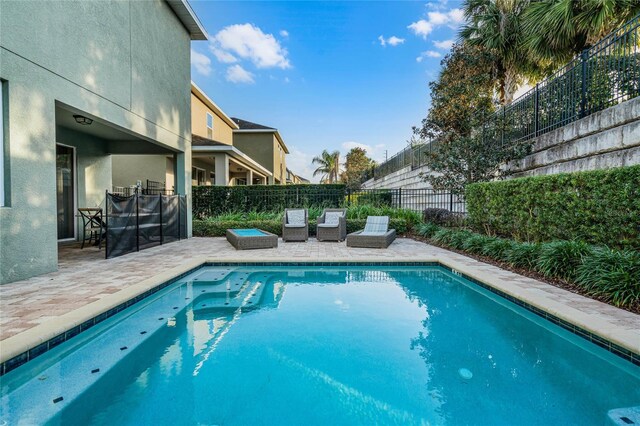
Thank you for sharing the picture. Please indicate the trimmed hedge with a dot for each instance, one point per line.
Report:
(598, 207)
(210, 201)
(215, 228)
(611, 275)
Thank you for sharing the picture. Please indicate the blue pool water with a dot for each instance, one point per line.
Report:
(251, 232)
(326, 346)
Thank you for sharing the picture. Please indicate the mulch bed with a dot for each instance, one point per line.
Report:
(572, 287)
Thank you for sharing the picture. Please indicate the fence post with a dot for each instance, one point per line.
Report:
(399, 198)
(583, 99)
(450, 201)
(348, 196)
(106, 223)
(502, 127)
(161, 227)
(536, 109)
(137, 223)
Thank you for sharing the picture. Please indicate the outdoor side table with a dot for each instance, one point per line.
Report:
(246, 239)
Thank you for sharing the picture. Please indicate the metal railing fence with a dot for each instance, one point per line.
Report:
(602, 76)
(213, 201)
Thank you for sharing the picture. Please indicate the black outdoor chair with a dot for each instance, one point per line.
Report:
(92, 224)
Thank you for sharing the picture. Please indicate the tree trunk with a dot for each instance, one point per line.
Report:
(510, 86)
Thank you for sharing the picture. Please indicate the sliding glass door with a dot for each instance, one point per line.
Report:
(66, 190)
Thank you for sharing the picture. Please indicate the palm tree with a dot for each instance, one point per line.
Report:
(328, 166)
(496, 26)
(557, 30)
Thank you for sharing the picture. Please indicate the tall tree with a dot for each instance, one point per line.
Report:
(328, 166)
(496, 26)
(356, 163)
(461, 98)
(556, 30)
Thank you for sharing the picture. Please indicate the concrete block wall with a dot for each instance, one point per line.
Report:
(606, 139)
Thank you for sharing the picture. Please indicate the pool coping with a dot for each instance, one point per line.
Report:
(19, 349)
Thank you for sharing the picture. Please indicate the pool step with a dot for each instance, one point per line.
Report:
(211, 305)
(624, 416)
(230, 282)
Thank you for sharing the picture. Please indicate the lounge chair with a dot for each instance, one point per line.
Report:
(332, 225)
(295, 225)
(376, 234)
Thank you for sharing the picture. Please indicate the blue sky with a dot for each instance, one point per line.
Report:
(327, 75)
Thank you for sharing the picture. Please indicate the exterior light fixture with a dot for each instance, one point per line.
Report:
(81, 119)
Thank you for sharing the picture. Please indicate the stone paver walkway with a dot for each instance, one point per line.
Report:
(84, 277)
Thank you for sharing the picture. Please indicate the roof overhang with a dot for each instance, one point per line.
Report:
(286, 150)
(188, 17)
(213, 106)
(234, 153)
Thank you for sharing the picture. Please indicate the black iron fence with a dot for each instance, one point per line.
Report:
(602, 76)
(210, 201)
(140, 221)
(153, 188)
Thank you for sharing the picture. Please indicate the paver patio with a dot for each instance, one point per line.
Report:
(84, 277)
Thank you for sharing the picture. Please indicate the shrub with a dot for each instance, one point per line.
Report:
(442, 217)
(443, 236)
(458, 239)
(475, 243)
(523, 255)
(612, 275)
(600, 207)
(497, 248)
(561, 258)
(427, 230)
(378, 198)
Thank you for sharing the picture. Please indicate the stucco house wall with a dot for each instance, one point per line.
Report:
(125, 64)
(263, 148)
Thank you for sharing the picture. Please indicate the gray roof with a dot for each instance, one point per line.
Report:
(248, 125)
(200, 141)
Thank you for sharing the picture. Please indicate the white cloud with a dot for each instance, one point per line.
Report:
(284, 33)
(222, 56)
(428, 54)
(392, 41)
(299, 162)
(237, 74)
(443, 44)
(201, 62)
(375, 152)
(424, 27)
(249, 42)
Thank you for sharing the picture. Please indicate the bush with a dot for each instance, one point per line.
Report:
(427, 230)
(561, 258)
(497, 248)
(600, 207)
(476, 243)
(442, 217)
(523, 255)
(378, 198)
(612, 275)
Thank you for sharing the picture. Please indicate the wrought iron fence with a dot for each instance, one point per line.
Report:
(141, 221)
(211, 201)
(153, 188)
(602, 76)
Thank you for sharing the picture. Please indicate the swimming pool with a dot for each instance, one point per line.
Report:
(322, 345)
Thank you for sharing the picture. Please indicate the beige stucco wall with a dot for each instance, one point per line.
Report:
(128, 169)
(125, 63)
(222, 132)
(263, 148)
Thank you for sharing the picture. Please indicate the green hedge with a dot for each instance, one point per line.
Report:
(216, 228)
(209, 201)
(599, 207)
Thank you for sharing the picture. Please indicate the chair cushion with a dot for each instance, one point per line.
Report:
(327, 225)
(291, 225)
(332, 218)
(295, 217)
(376, 225)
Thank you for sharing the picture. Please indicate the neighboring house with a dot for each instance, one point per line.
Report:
(80, 82)
(294, 179)
(265, 145)
(215, 159)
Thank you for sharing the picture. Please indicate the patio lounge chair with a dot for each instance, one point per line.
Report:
(295, 225)
(332, 225)
(374, 235)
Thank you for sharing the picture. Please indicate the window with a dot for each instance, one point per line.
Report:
(212, 176)
(209, 125)
(241, 181)
(197, 176)
(2, 145)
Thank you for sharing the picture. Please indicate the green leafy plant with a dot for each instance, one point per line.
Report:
(612, 275)
(427, 230)
(599, 207)
(497, 248)
(475, 243)
(562, 258)
(523, 255)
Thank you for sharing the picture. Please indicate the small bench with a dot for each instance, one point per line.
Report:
(246, 239)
